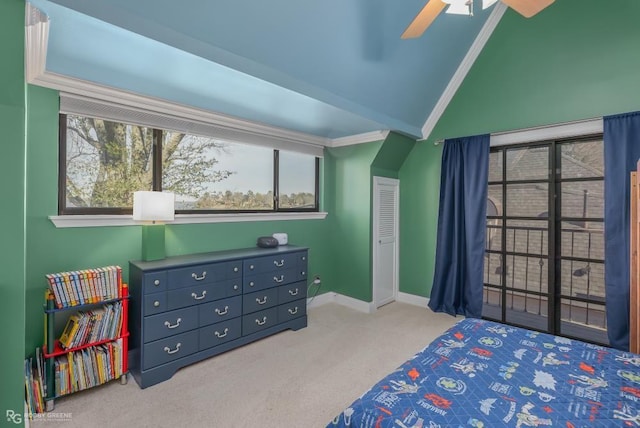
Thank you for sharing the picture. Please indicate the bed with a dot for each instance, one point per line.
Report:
(484, 374)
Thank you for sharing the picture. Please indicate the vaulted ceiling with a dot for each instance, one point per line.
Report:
(330, 68)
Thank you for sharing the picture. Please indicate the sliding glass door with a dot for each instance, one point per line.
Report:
(544, 249)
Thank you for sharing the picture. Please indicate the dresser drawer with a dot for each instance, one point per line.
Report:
(259, 300)
(194, 295)
(270, 263)
(290, 292)
(154, 282)
(197, 274)
(217, 334)
(169, 349)
(268, 280)
(220, 310)
(259, 321)
(292, 310)
(169, 323)
(155, 303)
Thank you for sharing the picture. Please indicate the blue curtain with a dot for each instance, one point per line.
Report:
(621, 152)
(457, 282)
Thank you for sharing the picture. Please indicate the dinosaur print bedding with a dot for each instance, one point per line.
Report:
(484, 374)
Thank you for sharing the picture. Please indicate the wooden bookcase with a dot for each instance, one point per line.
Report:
(84, 356)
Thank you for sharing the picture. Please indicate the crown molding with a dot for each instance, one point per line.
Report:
(463, 69)
(366, 137)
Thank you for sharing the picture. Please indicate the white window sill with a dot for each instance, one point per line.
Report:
(126, 220)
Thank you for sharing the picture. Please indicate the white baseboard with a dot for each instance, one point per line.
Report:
(331, 297)
(412, 299)
(359, 305)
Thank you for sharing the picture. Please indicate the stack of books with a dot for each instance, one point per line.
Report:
(85, 286)
(35, 383)
(88, 367)
(91, 326)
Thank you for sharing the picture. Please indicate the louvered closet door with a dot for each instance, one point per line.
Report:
(385, 239)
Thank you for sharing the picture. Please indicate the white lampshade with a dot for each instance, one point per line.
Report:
(153, 206)
(488, 3)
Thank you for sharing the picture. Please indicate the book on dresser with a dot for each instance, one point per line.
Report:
(92, 349)
(184, 309)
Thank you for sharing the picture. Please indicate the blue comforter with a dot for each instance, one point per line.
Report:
(484, 374)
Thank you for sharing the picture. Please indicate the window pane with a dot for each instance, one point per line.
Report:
(583, 239)
(582, 159)
(209, 174)
(529, 163)
(494, 199)
(297, 180)
(528, 200)
(106, 162)
(583, 199)
(584, 280)
(495, 166)
(528, 236)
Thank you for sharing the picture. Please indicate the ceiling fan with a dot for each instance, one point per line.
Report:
(432, 9)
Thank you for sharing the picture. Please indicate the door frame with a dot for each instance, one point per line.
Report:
(377, 182)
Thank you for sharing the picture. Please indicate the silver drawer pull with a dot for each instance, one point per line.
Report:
(304, 258)
(169, 351)
(261, 302)
(156, 304)
(293, 311)
(156, 282)
(263, 322)
(235, 287)
(303, 273)
(251, 267)
(293, 293)
(221, 335)
(275, 262)
(224, 312)
(235, 268)
(278, 280)
(177, 324)
(196, 297)
(199, 278)
(251, 284)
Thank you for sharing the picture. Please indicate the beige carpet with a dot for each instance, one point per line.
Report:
(292, 379)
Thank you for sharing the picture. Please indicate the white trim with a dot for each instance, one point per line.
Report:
(127, 220)
(541, 133)
(367, 137)
(412, 299)
(321, 299)
(341, 299)
(464, 67)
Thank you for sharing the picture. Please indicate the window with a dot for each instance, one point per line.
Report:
(544, 257)
(103, 162)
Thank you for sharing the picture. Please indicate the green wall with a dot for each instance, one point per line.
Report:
(575, 60)
(12, 209)
(351, 218)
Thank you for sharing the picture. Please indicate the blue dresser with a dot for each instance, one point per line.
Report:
(187, 308)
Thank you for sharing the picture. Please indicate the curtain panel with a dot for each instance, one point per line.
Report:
(621, 152)
(457, 283)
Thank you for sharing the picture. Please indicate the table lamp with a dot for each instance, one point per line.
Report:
(153, 209)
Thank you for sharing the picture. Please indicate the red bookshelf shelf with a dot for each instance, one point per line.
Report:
(59, 350)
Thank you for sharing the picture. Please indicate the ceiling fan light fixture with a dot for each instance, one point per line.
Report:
(460, 7)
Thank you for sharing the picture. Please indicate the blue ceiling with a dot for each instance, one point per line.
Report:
(330, 68)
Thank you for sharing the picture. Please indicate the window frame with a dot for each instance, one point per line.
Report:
(63, 210)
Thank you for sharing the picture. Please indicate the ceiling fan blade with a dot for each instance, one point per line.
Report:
(527, 8)
(426, 16)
